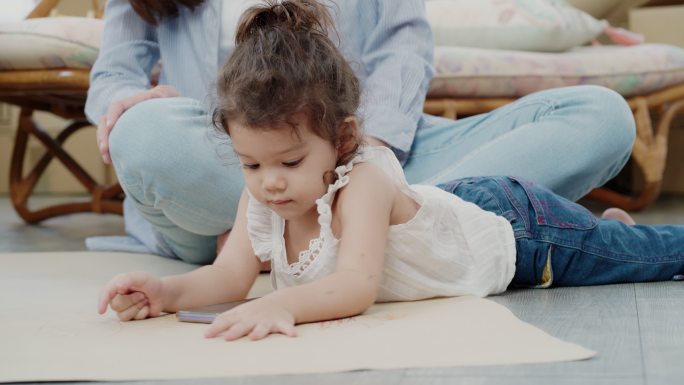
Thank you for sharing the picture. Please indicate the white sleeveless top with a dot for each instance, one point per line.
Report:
(449, 248)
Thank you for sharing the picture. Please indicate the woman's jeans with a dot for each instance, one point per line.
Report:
(560, 243)
(183, 182)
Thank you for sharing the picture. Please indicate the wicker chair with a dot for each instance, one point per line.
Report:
(60, 91)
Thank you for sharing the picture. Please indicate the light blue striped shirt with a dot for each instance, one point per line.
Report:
(388, 42)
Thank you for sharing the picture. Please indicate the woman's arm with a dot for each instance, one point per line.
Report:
(128, 52)
(398, 59)
(120, 78)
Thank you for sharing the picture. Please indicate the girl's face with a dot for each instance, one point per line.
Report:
(284, 169)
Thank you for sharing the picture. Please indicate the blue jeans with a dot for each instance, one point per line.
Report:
(180, 175)
(560, 243)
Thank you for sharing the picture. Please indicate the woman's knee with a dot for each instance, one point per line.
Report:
(614, 126)
(162, 149)
(146, 136)
(138, 128)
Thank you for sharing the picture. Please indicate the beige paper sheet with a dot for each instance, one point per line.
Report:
(50, 330)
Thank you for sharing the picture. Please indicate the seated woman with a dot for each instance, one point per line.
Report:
(181, 193)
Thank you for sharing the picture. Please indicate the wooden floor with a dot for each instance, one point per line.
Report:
(637, 330)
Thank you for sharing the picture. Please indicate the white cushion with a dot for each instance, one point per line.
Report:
(531, 25)
(52, 42)
(463, 72)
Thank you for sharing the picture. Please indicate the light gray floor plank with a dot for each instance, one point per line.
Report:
(661, 317)
(65, 233)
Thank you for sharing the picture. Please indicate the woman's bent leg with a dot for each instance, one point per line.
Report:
(569, 140)
(179, 175)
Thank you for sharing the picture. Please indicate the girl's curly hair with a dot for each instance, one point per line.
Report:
(283, 64)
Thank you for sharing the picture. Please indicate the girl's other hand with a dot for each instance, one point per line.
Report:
(255, 319)
(133, 296)
(107, 121)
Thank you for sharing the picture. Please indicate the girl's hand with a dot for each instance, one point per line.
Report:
(132, 296)
(255, 319)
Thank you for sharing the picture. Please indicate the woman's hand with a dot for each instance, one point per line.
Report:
(116, 109)
(133, 296)
(255, 319)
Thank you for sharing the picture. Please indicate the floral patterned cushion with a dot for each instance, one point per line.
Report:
(629, 70)
(52, 42)
(531, 25)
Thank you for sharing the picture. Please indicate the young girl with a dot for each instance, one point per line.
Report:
(339, 224)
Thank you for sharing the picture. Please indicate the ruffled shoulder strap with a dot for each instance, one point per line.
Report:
(323, 204)
(260, 229)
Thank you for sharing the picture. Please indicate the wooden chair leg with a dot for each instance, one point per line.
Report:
(104, 199)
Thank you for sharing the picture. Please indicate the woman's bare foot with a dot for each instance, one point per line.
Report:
(618, 215)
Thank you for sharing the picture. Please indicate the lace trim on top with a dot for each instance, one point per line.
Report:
(326, 240)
